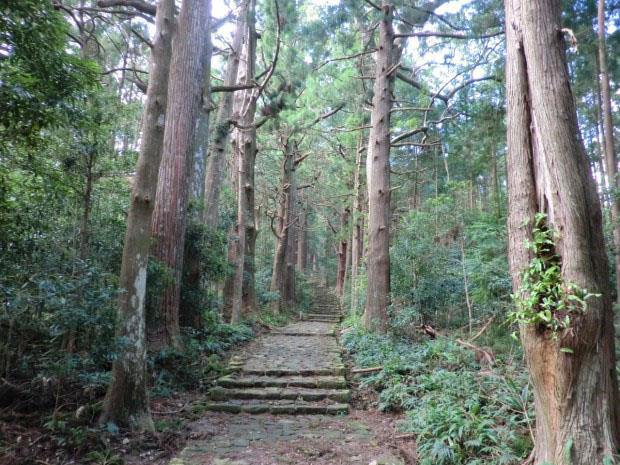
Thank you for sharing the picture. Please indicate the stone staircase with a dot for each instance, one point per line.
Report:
(296, 369)
(325, 307)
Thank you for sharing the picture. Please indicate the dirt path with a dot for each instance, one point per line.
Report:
(287, 402)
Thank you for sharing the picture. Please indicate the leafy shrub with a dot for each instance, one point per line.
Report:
(460, 415)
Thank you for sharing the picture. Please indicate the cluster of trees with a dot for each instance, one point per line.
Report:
(238, 151)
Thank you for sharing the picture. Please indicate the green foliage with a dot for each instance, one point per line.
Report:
(200, 359)
(460, 415)
(38, 74)
(544, 298)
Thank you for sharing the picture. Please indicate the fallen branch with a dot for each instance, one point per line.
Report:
(484, 328)
(358, 371)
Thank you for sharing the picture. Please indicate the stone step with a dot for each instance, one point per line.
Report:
(219, 393)
(276, 407)
(323, 382)
(310, 316)
(336, 370)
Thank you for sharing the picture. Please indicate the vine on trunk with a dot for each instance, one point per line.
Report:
(544, 298)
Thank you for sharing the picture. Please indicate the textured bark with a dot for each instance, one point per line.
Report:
(356, 234)
(283, 224)
(190, 309)
(575, 394)
(221, 129)
(170, 214)
(126, 401)
(611, 162)
(240, 296)
(342, 252)
(288, 291)
(302, 240)
(378, 181)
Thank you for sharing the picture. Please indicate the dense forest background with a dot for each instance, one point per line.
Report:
(73, 91)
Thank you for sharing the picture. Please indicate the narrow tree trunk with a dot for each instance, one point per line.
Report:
(170, 215)
(221, 129)
(241, 293)
(283, 227)
(608, 137)
(347, 275)
(288, 283)
(126, 401)
(302, 242)
(576, 393)
(378, 180)
(342, 252)
(356, 235)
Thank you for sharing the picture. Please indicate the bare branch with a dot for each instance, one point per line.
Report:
(348, 57)
(140, 5)
(449, 35)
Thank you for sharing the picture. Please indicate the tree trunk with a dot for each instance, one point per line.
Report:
(302, 242)
(240, 286)
(608, 138)
(342, 252)
(356, 234)
(126, 401)
(284, 219)
(170, 215)
(288, 283)
(191, 306)
(575, 394)
(221, 129)
(378, 181)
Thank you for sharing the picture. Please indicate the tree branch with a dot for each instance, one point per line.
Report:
(140, 5)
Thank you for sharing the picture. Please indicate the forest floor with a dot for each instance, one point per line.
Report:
(363, 436)
(189, 434)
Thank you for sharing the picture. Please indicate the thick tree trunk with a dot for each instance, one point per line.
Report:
(126, 401)
(575, 394)
(378, 181)
(191, 305)
(240, 294)
(170, 215)
(608, 137)
(221, 129)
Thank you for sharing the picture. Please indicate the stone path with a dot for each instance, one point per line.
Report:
(296, 369)
(286, 402)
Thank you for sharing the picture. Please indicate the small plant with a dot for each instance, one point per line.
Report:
(545, 299)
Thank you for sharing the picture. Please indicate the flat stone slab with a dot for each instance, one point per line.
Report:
(274, 393)
(323, 382)
(277, 407)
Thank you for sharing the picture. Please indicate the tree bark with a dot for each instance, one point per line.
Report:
(356, 234)
(611, 162)
(342, 252)
(575, 394)
(240, 294)
(190, 305)
(284, 220)
(170, 215)
(302, 242)
(221, 129)
(378, 181)
(126, 401)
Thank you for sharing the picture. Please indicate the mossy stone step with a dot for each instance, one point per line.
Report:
(282, 407)
(322, 382)
(275, 393)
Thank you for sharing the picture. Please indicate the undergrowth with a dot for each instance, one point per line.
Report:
(460, 414)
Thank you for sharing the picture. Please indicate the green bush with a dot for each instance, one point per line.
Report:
(459, 413)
